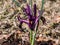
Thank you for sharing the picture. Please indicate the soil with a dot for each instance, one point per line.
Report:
(49, 25)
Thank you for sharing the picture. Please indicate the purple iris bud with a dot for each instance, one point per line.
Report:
(28, 11)
(32, 19)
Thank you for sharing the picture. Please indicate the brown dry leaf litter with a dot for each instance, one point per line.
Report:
(9, 23)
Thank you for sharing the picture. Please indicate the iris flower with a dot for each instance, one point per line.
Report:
(32, 17)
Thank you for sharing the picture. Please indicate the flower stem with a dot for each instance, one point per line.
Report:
(32, 37)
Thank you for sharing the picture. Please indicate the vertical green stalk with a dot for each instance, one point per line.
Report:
(31, 32)
(32, 37)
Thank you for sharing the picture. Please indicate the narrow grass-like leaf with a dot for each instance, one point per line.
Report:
(30, 2)
(13, 0)
(41, 12)
(18, 4)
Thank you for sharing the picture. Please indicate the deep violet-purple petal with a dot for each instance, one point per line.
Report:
(23, 20)
(35, 10)
(29, 10)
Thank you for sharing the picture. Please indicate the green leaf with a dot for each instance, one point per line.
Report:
(18, 4)
(42, 4)
(30, 2)
(13, 0)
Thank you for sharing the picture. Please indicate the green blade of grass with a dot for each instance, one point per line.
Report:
(17, 3)
(40, 14)
(42, 4)
(30, 2)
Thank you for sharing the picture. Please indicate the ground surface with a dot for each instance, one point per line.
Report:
(11, 34)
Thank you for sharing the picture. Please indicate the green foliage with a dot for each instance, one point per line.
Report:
(17, 3)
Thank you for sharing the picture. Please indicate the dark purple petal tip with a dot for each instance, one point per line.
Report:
(35, 10)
